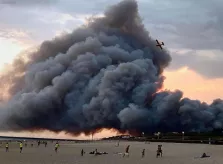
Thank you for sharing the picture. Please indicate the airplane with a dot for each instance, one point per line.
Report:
(159, 45)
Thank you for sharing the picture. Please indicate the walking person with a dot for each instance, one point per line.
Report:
(126, 151)
(82, 152)
(56, 147)
(143, 153)
(6, 147)
(20, 146)
(159, 151)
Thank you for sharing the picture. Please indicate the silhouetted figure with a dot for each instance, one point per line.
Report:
(96, 152)
(56, 147)
(7, 147)
(159, 151)
(20, 146)
(143, 153)
(204, 155)
(126, 151)
(117, 144)
(45, 144)
(82, 152)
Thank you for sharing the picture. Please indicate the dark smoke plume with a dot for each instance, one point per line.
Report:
(103, 75)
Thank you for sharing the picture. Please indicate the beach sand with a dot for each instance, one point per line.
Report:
(69, 153)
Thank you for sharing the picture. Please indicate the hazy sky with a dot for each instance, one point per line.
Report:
(192, 31)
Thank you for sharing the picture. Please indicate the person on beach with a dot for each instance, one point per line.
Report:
(159, 151)
(82, 152)
(143, 153)
(7, 147)
(126, 151)
(20, 146)
(204, 155)
(56, 147)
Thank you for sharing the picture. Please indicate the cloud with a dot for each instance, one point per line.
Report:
(87, 6)
(198, 26)
(50, 73)
(15, 35)
(37, 24)
(206, 63)
(185, 24)
(27, 2)
(180, 24)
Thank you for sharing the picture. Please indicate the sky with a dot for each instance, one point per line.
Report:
(191, 30)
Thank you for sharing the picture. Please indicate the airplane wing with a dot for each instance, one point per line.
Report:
(159, 46)
(157, 42)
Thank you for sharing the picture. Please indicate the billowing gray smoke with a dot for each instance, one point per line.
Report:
(103, 75)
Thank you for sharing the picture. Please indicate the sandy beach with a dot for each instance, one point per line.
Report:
(69, 153)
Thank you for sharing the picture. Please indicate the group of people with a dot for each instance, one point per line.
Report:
(159, 152)
(127, 152)
(7, 147)
(95, 152)
(21, 146)
(44, 142)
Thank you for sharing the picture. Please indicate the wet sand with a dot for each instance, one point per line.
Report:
(69, 153)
